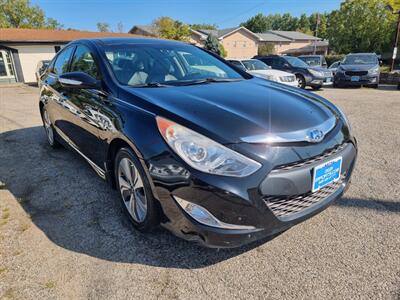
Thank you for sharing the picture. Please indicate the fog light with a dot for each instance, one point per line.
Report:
(203, 216)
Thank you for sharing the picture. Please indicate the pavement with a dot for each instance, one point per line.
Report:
(63, 236)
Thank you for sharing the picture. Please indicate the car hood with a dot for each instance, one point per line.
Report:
(357, 67)
(270, 72)
(231, 111)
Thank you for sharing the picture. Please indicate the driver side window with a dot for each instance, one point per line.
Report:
(83, 62)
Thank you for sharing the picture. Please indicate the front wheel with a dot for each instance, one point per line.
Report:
(301, 81)
(136, 195)
(316, 87)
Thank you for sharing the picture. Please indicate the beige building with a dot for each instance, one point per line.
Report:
(22, 49)
(239, 42)
(293, 42)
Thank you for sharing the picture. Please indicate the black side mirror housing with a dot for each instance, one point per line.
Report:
(78, 80)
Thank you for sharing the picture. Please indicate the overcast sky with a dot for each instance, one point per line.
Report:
(84, 14)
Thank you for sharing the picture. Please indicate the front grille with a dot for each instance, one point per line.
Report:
(288, 78)
(356, 73)
(312, 160)
(283, 206)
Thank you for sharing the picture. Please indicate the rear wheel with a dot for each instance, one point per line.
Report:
(136, 195)
(50, 132)
(374, 86)
(301, 82)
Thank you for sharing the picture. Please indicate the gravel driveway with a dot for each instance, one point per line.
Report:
(62, 234)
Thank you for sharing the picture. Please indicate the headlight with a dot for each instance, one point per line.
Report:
(316, 73)
(270, 77)
(203, 154)
(373, 71)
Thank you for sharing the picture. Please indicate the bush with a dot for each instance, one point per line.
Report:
(266, 49)
(330, 59)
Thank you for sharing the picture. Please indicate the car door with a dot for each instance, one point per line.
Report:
(83, 115)
(52, 92)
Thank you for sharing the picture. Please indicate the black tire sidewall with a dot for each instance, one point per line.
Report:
(151, 219)
(303, 81)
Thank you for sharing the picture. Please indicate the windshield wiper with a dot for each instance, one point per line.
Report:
(208, 80)
(151, 84)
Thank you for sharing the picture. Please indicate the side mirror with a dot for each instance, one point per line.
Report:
(78, 80)
(286, 65)
(338, 64)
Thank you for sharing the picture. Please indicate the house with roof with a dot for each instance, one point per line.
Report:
(293, 42)
(21, 49)
(239, 42)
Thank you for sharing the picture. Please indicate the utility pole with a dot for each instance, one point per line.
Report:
(316, 34)
(396, 39)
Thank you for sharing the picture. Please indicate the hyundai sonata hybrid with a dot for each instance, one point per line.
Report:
(193, 144)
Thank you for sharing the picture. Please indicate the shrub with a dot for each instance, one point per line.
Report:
(330, 59)
(266, 49)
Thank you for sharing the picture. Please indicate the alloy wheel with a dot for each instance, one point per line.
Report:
(48, 127)
(132, 190)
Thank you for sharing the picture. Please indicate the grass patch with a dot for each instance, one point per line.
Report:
(9, 294)
(50, 284)
(6, 215)
(23, 227)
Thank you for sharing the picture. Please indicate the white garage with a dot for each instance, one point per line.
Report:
(21, 49)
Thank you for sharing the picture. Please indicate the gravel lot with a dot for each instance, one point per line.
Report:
(62, 234)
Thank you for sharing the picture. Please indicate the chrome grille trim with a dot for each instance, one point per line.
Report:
(283, 206)
(312, 160)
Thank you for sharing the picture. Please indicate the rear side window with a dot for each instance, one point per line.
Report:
(83, 61)
(61, 63)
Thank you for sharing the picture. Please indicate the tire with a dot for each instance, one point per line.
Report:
(316, 87)
(374, 86)
(301, 81)
(136, 197)
(51, 134)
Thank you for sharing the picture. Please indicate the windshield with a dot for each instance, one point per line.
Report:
(360, 60)
(312, 61)
(253, 65)
(138, 65)
(295, 62)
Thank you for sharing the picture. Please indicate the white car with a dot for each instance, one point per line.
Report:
(258, 68)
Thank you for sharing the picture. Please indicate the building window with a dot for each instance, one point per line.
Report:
(57, 48)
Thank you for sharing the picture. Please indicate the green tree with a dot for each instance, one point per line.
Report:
(361, 26)
(212, 44)
(304, 24)
(266, 49)
(169, 28)
(103, 27)
(203, 26)
(21, 14)
(258, 23)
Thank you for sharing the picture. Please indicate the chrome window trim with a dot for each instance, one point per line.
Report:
(290, 137)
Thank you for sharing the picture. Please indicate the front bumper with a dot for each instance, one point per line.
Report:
(241, 201)
(346, 80)
(321, 81)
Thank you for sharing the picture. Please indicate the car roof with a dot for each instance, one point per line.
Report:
(310, 55)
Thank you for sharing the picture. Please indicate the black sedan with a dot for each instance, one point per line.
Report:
(208, 151)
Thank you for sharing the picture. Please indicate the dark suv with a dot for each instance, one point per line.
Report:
(358, 69)
(315, 77)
